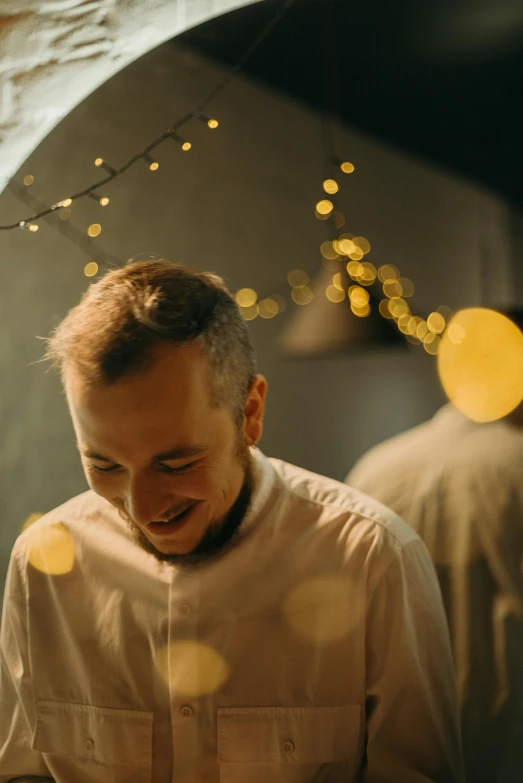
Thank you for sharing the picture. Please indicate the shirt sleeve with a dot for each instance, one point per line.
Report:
(17, 719)
(413, 731)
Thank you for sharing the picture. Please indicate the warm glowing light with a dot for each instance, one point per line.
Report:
(334, 294)
(347, 167)
(358, 296)
(356, 254)
(392, 288)
(50, 549)
(398, 307)
(324, 207)
(31, 519)
(368, 275)
(363, 244)
(388, 272)
(328, 251)
(249, 313)
(302, 295)
(422, 330)
(322, 611)
(104, 201)
(154, 166)
(480, 364)
(90, 269)
(436, 323)
(337, 282)
(268, 308)
(94, 229)
(28, 180)
(406, 325)
(65, 214)
(361, 311)
(98, 161)
(355, 269)
(338, 218)
(384, 309)
(192, 669)
(212, 123)
(246, 297)
(186, 146)
(320, 216)
(330, 186)
(66, 202)
(34, 227)
(456, 333)
(432, 346)
(297, 278)
(407, 287)
(346, 246)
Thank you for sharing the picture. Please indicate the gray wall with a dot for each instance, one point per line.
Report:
(240, 203)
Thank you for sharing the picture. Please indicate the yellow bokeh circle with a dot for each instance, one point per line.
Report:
(50, 549)
(191, 668)
(480, 364)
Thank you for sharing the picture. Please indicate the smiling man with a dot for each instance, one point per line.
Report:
(206, 614)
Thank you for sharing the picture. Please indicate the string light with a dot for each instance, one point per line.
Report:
(330, 186)
(324, 207)
(90, 269)
(104, 201)
(101, 163)
(33, 227)
(347, 167)
(65, 203)
(246, 297)
(94, 230)
(211, 122)
(153, 164)
(334, 294)
(185, 145)
(302, 295)
(28, 180)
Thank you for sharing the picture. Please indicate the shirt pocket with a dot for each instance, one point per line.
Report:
(289, 744)
(84, 742)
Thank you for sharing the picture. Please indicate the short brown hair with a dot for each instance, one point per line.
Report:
(121, 318)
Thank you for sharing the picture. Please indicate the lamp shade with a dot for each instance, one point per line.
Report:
(324, 328)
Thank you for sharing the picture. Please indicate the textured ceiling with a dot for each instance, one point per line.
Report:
(53, 53)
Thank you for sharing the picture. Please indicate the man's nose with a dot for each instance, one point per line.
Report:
(147, 499)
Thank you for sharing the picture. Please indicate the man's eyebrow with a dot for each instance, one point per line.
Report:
(181, 453)
(173, 454)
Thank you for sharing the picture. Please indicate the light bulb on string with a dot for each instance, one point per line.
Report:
(28, 180)
(211, 122)
(90, 269)
(94, 230)
(100, 162)
(102, 200)
(185, 145)
(344, 165)
(153, 164)
(330, 186)
(33, 227)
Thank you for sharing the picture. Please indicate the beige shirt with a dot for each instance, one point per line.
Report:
(314, 648)
(460, 485)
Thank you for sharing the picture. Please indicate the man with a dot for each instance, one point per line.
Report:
(205, 614)
(459, 484)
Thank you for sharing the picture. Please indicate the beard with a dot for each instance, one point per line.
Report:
(219, 534)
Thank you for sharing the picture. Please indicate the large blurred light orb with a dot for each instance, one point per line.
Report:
(482, 371)
(192, 668)
(50, 549)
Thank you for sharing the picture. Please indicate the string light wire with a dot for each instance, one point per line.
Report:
(199, 110)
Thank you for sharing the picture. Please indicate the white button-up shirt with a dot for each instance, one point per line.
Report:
(313, 648)
(460, 485)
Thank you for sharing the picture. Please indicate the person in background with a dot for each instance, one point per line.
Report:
(459, 484)
(205, 613)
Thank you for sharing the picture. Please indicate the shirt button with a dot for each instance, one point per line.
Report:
(288, 746)
(184, 609)
(187, 711)
(89, 743)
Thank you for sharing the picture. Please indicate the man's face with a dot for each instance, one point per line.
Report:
(154, 445)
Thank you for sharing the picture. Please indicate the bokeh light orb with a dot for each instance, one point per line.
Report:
(50, 549)
(191, 668)
(480, 364)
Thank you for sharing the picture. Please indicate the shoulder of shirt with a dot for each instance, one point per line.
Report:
(344, 502)
(74, 513)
